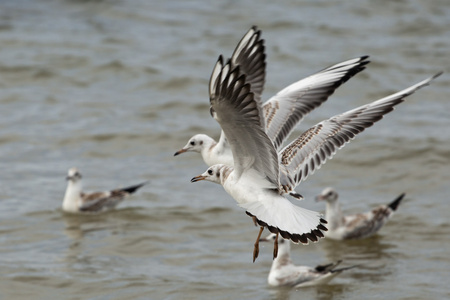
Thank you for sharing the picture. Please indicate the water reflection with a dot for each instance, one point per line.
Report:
(372, 248)
(373, 256)
(77, 225)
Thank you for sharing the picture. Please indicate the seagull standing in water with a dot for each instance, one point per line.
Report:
(260, 176)
(357, 226)
(281, 113)
(76, 201)
(284, 273)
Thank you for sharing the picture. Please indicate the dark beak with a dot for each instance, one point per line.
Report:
(180, 151)
(198, 178)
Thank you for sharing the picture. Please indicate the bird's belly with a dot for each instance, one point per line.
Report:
(242, 193)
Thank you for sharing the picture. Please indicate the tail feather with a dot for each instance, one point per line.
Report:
(133, 188)
(394, 204)
(292, 222)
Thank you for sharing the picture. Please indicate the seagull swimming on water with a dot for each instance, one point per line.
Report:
(284, 273)
(260, 176)
(356, 226)
(75, 200)
(281, 113)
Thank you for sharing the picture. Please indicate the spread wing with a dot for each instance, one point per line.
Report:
(234, 107)
(288, 107)
(311, 150)
(250, 56)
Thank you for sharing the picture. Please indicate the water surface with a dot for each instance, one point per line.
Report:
(116, 87)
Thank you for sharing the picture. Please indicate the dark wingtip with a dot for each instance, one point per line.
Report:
(364, 61)
(328, 267)
(394, 204)
(133, 188)
(438, 74)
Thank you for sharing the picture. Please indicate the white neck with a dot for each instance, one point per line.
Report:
(217, 153)
(72, 198)
(333, 215)
(284, 255)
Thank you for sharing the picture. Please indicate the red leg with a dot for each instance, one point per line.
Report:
(275, 247)
(256, 248)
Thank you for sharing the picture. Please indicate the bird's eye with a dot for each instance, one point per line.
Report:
(192, 143)
(201, 143)
(210, 172)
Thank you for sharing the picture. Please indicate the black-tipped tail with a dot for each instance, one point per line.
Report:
(327, 267)
(314, 235)
(394, 204)
(134, 188)
(332, 267)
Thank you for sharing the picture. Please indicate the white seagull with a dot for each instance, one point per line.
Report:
(75, 200)
(357, 226)
(281, 113)
(260, 176)
(284, 273)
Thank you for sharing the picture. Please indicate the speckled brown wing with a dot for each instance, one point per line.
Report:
(288, 107)
(310, 150)
(367, 224)
(364, 225)
(98, 201)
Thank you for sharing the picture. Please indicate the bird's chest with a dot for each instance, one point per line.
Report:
(241, 190)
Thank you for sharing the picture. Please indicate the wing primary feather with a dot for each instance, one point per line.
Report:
(310, 150)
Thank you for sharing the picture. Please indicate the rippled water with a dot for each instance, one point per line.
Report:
(116, 87)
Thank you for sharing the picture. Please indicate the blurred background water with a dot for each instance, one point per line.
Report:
(116, 87)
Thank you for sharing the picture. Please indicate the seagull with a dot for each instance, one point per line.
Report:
(284, 273)
(357, 226)
(75, 200)
(260, 176)
(281, 113)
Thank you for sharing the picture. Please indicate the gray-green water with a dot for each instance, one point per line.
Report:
(116, 87)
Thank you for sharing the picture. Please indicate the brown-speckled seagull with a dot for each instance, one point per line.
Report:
(356, 226)
(76, 201)
(284, 273)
